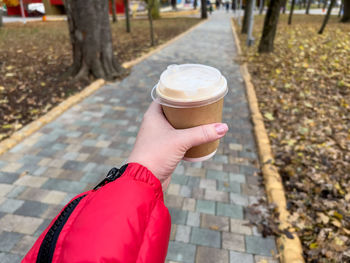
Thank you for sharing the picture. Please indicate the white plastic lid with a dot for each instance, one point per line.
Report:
(190, 85)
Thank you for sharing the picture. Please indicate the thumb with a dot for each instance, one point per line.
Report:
(202, 134)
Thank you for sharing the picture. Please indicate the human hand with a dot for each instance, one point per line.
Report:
(160, 147)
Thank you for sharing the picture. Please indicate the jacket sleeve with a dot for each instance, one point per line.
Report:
(156, 237)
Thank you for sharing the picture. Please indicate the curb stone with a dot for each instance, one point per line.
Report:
(290, 249)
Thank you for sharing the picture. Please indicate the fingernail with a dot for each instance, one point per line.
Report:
(221, 128)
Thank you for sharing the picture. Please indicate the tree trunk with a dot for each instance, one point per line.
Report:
(308, 7)
(246, 16)
(300, 4)
(284, 6)
(291, 13)
(346, 10)
(0, 18)
(327, 17)
(204, 12)
(91, 39)
(114, 12)
(319, 4)
(262, 7)
(155, 9)
(127, 15)
(341, 7)
(195, 3)
(270, 26)
(173, 4)
(324, 4)
(150, 19)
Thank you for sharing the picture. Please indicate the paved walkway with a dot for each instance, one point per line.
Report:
(207, 201)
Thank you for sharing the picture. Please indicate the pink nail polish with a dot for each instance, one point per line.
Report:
(221, 128)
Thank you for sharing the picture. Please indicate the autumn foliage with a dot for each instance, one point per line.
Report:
(303, 90)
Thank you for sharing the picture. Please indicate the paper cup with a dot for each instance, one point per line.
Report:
(192, 95)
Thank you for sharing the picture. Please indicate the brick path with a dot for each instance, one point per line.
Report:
(207, 201)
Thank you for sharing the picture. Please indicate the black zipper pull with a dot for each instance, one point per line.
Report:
(111, 176)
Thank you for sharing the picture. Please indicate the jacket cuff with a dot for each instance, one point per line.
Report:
(140, 173)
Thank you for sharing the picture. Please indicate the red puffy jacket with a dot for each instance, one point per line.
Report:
(123, 220)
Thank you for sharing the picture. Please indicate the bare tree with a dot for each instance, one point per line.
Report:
(204, 13)
(0, 18)
(346, 10)
(270, 26)
(91, 40)
(308, 7)
(114, 11)
(245, 24)
(150, 5)
(127, 15)
(326, 17)
(173, 4)
(261, 10)
(291, 13)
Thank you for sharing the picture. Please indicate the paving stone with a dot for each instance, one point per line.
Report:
(193, 171)
(10, 205)
(173, 232)
(54, 197)
(32, 181)
(261, 246)
(31, 208)
(15, 191)
(8, 240)
(210, 255)
(205, 206)
(178, 216)
(207, 184)
(212, 222)
(11, 167)
(240, 178)
(216, 195)
(262, 259)
(24, 245)
(189, 204)
(181, 252)
(185, 191)
(217, 175)
(233, 242)
(240, 257)
(235, 147)
(220, 158)
(8, 178)
(21, 224)
(9, 258)
(33, 194)
(74, 165)
(230, 210)
(183, 233)
(205, 237)
(65, 186)
(233, 187)
(240, 226)
(193, 219)
(193, 181)
(173, 201)
(197, 193)
(4, 189)
(42, 227)
(238, 199)
(173, 189)
(179, 179)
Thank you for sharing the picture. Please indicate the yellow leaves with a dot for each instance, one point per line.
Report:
(301, 47)
(313, 245)
(305, 65)
(8, 75)
(278, 71)
(269, 116)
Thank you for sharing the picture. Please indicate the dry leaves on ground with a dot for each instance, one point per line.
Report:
(33, 57)
(303, 90)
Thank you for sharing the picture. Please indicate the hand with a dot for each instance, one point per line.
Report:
(160, 147)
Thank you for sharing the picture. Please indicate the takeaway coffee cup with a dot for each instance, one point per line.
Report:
(192, 95)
